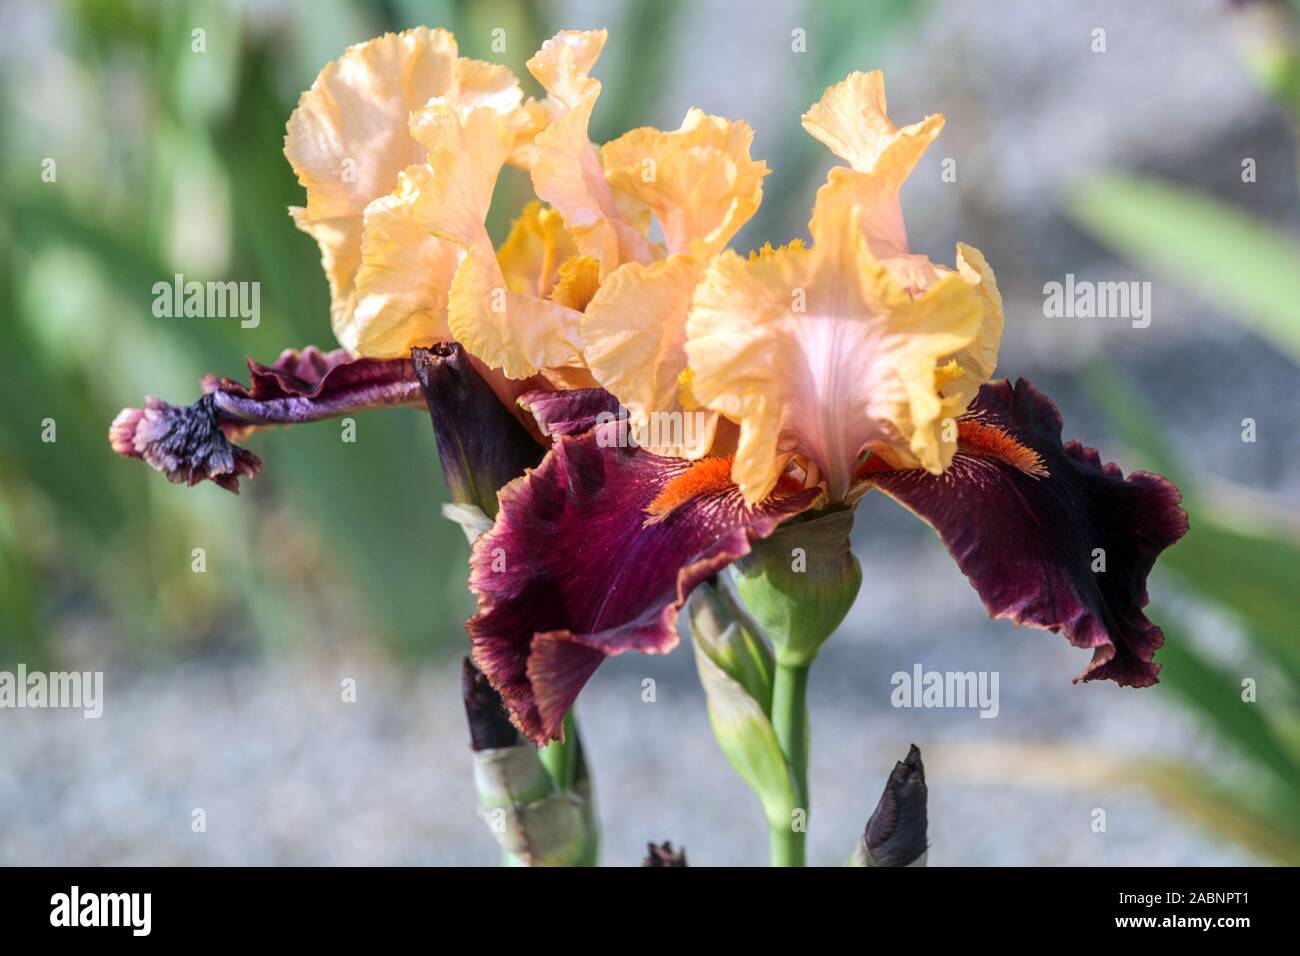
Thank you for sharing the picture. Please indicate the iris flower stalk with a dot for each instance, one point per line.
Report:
(699, 408)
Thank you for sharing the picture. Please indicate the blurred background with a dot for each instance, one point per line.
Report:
(1167, 156)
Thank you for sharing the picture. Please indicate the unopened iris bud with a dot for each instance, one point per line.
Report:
(489, 724)
(896, 833)
(800, 583)
(664, 855)
(535, 823)
(724, 631)
(482, 445)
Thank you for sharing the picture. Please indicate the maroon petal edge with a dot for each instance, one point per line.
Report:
(1022, 515)
(574, 571)
(569, 412)
(190, 444)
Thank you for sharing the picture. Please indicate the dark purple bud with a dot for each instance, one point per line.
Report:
(489, 724)
(896, 832)
(190, 444)
(664, 855)
(482, 445)
(185, 443)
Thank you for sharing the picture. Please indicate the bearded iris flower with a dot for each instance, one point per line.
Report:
(832, 370)
(815, 373)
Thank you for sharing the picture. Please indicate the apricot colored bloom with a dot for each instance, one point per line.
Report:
(811, 373)
(825, 370)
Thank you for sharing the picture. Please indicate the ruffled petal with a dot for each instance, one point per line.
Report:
(699, 180)
(577, 568)
(852, 120)
(357, 110)
(1048, 535)
(349, 139)
(978, 361)
(820, 353)
(513, 331)
(533, 253)
(404, 279)
(196, 443)
(569, 412)
(634, 334)
(565, 167)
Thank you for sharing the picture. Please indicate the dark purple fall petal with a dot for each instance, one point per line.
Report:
(1027, 518)
(311, 385)
(576, 569)
(569, 412)
(190, 444)
(481, 444)
(896, 833)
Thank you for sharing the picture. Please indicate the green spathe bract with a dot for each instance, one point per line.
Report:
(800, 582)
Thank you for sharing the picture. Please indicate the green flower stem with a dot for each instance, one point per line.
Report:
(790, 720)
(560, 757)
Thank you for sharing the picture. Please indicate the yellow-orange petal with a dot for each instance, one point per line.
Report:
(564, 63)
(852, 120)
(699, 180)
(339, 240)
(565, 168)
(519, 334)
(348, 139)
(578, 281)
(821, 353)
(537, 245)
(634, 339)
(979, 360)
(404, 279)
(513, 331)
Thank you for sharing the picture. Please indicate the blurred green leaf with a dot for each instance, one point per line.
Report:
(1245, 267)
(1216, 693)
(1269, 829)
(1254, 575)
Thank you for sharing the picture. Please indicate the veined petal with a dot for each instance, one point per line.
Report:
(516, 332)
(348, 139)
(820, 353)
(357, 110)
(191, 444)
(698, 180)
(532, 254)
(490, 85)
(852, 120)
(404, 279)
(634, 336)
(978, 360)
(565, 167)
(570, 411)
(576, 568)
(1048, 535)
